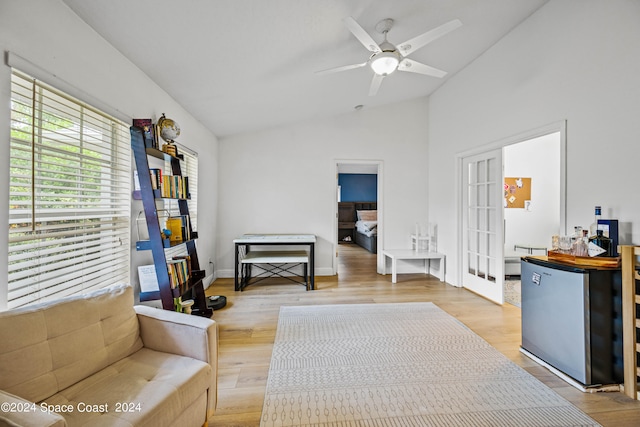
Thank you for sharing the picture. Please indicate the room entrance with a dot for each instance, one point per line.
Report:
(531, 204)
(488, 235)
(358, 209)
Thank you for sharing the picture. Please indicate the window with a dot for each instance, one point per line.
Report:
(69, 201)
(190, 169)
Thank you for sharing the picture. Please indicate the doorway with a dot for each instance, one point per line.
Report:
(530, 221)
(484, 235)
(359, 167)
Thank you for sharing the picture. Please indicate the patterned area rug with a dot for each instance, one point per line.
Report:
(408, 364)
(512, 292)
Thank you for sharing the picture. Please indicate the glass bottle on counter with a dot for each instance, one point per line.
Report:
(581, 245)
(577, 235)
(600, 245)
(593, 228)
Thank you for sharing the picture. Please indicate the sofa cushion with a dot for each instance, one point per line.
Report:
(148, 388)
(50, 346)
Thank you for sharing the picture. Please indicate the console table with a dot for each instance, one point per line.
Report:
(243, 260)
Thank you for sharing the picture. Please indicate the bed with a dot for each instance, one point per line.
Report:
(366, 224)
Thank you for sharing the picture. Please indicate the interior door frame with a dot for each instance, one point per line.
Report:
(561, 127)
(380, 203)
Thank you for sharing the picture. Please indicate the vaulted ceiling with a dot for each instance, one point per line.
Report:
(243, 65)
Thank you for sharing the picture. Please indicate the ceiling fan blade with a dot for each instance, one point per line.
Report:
(375, 84)
(420, 68)
(361, 35)
(417, 42)
(343, 68)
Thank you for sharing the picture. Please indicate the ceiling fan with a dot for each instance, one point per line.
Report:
(386, 58)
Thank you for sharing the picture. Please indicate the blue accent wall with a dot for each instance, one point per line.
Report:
(358, 187)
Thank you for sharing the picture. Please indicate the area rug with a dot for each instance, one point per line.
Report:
(513, 292)
(406, 364)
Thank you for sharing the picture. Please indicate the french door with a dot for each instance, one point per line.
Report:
(482, 231)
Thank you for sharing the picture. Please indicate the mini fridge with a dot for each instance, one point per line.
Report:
(572, 319)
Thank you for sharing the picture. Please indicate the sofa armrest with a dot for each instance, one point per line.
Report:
(178, 333)
(17, 411)
(184, 335)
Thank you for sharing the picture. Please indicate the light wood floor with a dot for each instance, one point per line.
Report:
(247, 329)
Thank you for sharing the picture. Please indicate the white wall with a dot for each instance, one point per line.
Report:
(57, 43)
(573, 59)
(283, 180)
(538, 159)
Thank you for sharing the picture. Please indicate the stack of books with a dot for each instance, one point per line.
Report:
(179, 270)
(170, 186)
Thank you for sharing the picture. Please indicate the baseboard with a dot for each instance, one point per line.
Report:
(207, 281)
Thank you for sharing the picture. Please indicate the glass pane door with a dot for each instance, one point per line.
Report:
(482, 218)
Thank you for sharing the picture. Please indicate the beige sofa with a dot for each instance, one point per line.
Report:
(98, 360)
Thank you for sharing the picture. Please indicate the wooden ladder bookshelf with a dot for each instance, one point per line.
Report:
(193, 287)
(630, 317)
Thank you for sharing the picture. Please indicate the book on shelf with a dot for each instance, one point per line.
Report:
(167, 185)
(148, 278)
(179, 228)
(178, 272)
(156, 178)
(184, 227)
(156, 134)
(174, 186)
(174, 225)
(186, 258)
(136, 181)
(148, 132)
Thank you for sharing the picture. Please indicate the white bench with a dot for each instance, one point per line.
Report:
(409, 254)
(274, 264)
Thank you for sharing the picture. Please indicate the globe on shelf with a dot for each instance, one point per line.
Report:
(168, 129)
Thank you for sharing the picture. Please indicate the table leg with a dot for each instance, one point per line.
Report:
(312, 271)
(236, 269)
(306, 279)
(442, 266)
(394, 270)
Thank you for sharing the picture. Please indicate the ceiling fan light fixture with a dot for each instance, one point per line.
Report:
(384, 63)
(385, 58)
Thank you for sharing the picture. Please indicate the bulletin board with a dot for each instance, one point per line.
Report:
(517, 193)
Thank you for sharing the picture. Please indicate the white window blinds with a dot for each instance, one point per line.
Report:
(69, 195)
(190, 168)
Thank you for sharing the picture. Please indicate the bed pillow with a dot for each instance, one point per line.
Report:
(367, 215)
(368, 225)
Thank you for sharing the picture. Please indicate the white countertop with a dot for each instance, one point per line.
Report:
(275, 238)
